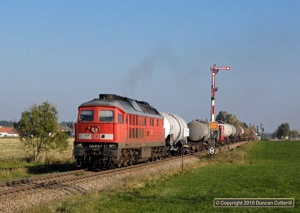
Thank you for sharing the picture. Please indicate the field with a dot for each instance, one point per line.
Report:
(14, 163)
(256, 170)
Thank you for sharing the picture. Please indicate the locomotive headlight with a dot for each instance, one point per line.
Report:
(94, 129)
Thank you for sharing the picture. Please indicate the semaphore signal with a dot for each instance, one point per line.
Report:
(213, 124)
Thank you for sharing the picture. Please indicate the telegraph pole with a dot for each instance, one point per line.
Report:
(213, 124)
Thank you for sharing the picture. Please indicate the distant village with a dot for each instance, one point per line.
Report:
(8, 132)
(7, 129)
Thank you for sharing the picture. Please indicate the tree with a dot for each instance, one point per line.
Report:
(227, 118)
(222, 116)
(283, 130)
(294, 134)
(39, 129)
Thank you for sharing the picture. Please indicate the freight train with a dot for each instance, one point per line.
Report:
(114, 131)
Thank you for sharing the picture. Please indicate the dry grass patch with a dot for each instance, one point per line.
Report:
(15, 161)
(12, 149)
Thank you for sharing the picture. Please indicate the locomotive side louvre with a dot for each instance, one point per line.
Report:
(115, 130)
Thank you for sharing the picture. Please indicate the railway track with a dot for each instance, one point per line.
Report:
(57, 180)
(11, 187)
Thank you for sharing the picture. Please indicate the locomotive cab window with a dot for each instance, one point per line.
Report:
(106, 116)
(120, 118)
(87, 115)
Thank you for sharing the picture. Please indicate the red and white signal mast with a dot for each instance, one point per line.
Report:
(213, 124)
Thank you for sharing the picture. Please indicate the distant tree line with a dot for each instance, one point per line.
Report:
(11, 123)
(7, 123)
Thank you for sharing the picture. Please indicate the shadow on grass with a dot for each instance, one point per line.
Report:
(49, 168)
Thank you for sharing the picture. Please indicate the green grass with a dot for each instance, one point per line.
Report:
(256, 170)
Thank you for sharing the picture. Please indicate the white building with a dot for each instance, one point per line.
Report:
(8, 132)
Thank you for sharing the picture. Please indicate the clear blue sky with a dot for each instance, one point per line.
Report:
(160, 51)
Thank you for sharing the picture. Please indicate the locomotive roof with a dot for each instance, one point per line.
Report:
(128, 105)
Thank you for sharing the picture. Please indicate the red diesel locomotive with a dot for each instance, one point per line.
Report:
(114, 131)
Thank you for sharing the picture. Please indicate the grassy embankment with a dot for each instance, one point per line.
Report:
(14, 163)
(256, 170)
